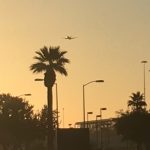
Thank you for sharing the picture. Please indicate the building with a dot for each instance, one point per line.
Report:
(73, 139)
(103, 135)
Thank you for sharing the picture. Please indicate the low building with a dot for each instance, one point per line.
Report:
(103, 135)
(73, 139)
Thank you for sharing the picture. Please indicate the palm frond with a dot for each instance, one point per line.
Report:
(39, 58)
(63, 60)
(50, 57)
(45, 52)
(62, 53)
(60, 69)
(56, 49)
(54, 53)
(130, 103)
(142, 103)
(40, 54)
(38, 67)
(137, 102)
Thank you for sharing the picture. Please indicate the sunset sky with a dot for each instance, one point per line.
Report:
(113, 37)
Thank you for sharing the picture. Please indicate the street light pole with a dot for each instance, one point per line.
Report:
(144, 62)
(57, 106)
(63, 119)
(84, 98)
(101, 135)
(57, 117)
(88, 113)
(97, 139)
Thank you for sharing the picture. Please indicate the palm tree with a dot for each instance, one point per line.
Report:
(137, 102)
(49, 61)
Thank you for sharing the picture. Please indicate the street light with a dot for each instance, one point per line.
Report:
(84, 98)
(70, 124)
(88, 113)
(101, 141)
(38, 79)
(144, 62)
(27, 94)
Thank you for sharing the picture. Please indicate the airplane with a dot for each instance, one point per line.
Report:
(69, 37)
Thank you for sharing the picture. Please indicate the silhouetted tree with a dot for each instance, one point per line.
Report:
(134, 125)
(50, 60)
(43, 117)
(18, 125)
(137, 102)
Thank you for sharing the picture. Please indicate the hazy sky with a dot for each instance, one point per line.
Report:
(113, 39)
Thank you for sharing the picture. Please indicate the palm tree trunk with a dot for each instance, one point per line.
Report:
(50, 136)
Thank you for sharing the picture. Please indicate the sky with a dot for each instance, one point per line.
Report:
(113, 37)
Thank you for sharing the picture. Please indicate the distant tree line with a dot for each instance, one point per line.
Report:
(20, 127)
(134, 124)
